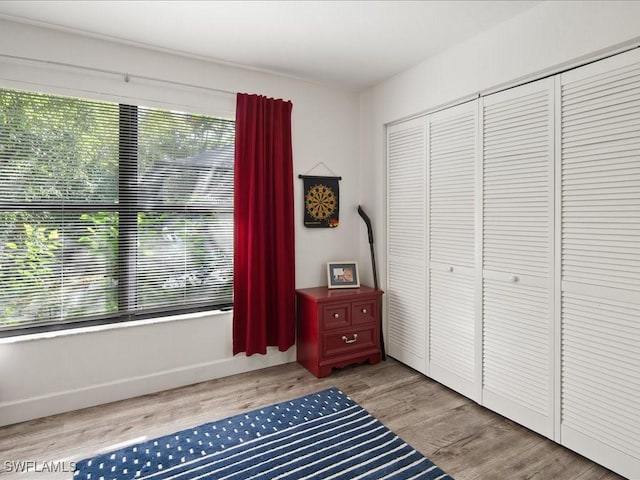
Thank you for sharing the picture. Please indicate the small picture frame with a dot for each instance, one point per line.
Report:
(343, 275)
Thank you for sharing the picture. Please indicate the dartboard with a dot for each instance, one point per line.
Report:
(320, 202)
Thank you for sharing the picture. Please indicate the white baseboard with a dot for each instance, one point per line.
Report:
(66, 401)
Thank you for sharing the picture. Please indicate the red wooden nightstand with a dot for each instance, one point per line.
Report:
(337, 327)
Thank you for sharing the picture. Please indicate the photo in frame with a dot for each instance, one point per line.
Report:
(343, 275)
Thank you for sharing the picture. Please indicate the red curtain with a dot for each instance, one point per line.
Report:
(264, 261)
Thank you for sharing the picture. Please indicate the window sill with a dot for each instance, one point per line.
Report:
(110, 326)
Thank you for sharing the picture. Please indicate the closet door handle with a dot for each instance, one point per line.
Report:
(450, 269)
(350, 340)
(514, 278)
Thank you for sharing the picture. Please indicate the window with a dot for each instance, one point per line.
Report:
(111, 212)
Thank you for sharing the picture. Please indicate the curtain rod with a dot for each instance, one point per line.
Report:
(124, 75)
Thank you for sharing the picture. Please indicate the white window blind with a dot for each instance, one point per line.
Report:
(109, 212)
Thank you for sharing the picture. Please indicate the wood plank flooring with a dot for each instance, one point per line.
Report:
(468, 441)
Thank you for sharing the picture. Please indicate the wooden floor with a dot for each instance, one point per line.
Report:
(464, 439)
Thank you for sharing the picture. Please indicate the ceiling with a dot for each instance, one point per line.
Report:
(347, 44)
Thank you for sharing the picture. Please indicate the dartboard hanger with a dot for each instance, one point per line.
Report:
(306, 175)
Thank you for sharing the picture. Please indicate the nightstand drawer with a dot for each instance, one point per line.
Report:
(336, 316)
(348, 341)
(364, 312)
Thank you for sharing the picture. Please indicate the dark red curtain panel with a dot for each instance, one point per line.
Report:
(264, 261)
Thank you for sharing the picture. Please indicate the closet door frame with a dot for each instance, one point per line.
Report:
(557, 266)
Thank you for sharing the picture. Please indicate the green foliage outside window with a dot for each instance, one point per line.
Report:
(60, 220)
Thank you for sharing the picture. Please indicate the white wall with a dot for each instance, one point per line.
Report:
(55, 373)
(551, 36)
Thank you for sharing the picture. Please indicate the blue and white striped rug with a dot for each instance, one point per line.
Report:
(325, 435)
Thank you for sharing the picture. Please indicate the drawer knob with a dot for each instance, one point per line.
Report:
(350, 340)
(364, 310)
(336, 315)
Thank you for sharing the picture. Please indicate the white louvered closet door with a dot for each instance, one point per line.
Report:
(600, 264)
(517, 254)
(406, 292)
(452, 154)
